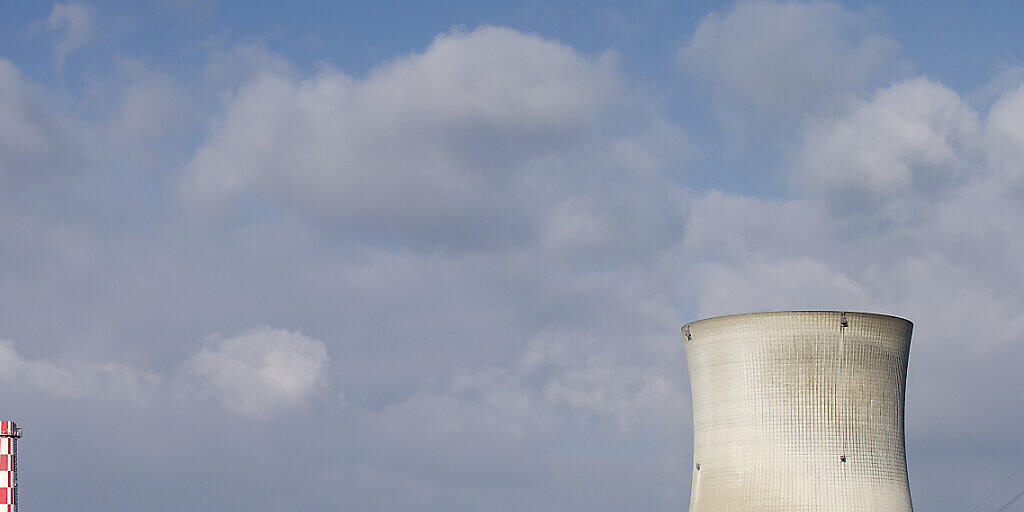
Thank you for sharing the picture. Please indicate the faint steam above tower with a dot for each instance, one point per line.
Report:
(798, 411)
(9, 434)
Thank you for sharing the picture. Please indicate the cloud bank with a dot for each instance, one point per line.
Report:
(472, 138)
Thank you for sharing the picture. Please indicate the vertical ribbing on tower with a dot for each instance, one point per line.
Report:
(799, 411)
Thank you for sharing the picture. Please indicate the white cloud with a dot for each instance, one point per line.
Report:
(35, 140)
(1004, 134)
(468, 138)
(636, 399)
(798, 284)
(257, 374)
(74, 378)
(531, 423)
(489, 413)
(150, 105)
(768, 63)
(739, 227)
(75, 22)
(1006, 79)
(128, 122)
(913, 137)
(261, 371)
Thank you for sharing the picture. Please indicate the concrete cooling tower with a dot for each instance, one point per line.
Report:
(798, 411)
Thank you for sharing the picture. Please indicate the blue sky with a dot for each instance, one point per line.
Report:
(415, 257)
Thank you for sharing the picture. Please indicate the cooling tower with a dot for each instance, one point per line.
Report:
(798, 411)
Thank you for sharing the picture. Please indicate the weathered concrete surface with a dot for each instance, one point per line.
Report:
(794, 412)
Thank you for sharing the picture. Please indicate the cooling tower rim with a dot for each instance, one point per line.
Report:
(821, 311)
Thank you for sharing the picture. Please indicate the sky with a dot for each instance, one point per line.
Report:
(399, 256)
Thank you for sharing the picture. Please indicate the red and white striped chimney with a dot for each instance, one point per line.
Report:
(9, 434)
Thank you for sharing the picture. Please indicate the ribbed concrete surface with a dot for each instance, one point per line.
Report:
(794, 412)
